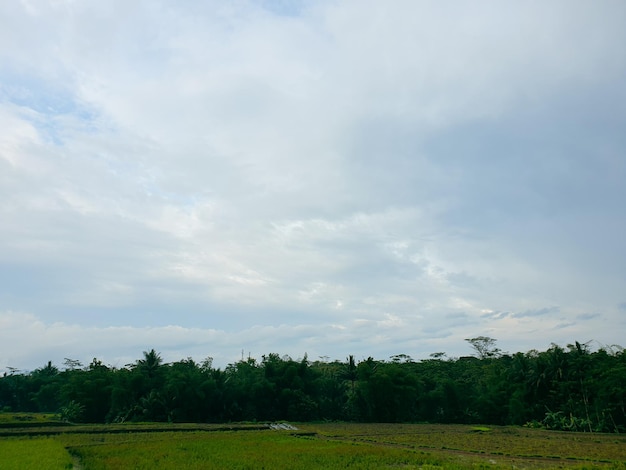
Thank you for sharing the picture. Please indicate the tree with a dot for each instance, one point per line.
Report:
(72, 364)
(580, 389)
(45, 387)
(150, 363)
(46, 371)
(91, 388)
(484, 347)
(349, 372)
(186, 391)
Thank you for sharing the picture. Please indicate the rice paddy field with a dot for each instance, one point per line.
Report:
(311, 446)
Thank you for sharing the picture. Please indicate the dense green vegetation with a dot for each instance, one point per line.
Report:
(571, 388)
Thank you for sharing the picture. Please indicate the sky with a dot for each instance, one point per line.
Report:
(329, 178)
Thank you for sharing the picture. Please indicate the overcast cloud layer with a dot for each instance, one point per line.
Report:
(324, 177)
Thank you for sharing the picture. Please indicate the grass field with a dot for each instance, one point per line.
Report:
(501, 446)
(235, 450)
(38, 453)
(313, 446)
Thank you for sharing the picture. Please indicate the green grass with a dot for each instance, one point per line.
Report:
(504, 445)
(481, 428)
(34, 453)
(315, 446)
(8, 419)
(235, 450)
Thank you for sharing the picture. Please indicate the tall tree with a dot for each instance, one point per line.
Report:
(150, 363)
(484, 347)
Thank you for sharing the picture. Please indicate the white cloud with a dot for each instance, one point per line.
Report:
(406, 165)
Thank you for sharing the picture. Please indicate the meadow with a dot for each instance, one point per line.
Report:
(312, 446)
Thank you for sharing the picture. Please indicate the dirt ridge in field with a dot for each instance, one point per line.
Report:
(120, 429)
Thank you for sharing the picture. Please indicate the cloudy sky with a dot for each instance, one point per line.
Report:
(323, 177)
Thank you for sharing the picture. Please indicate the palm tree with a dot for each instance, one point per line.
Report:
(150, 363)
(349, 372)
(47, 371)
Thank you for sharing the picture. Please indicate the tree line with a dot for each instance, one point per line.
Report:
(567, 388)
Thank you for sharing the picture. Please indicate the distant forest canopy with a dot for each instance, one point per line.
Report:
(566, 388)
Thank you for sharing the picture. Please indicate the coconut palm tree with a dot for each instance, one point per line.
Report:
(150, 363)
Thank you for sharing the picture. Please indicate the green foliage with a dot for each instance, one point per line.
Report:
(560, 422)
(572, 388)
(72, 412)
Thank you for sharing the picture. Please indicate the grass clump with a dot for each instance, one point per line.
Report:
(480, 429)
